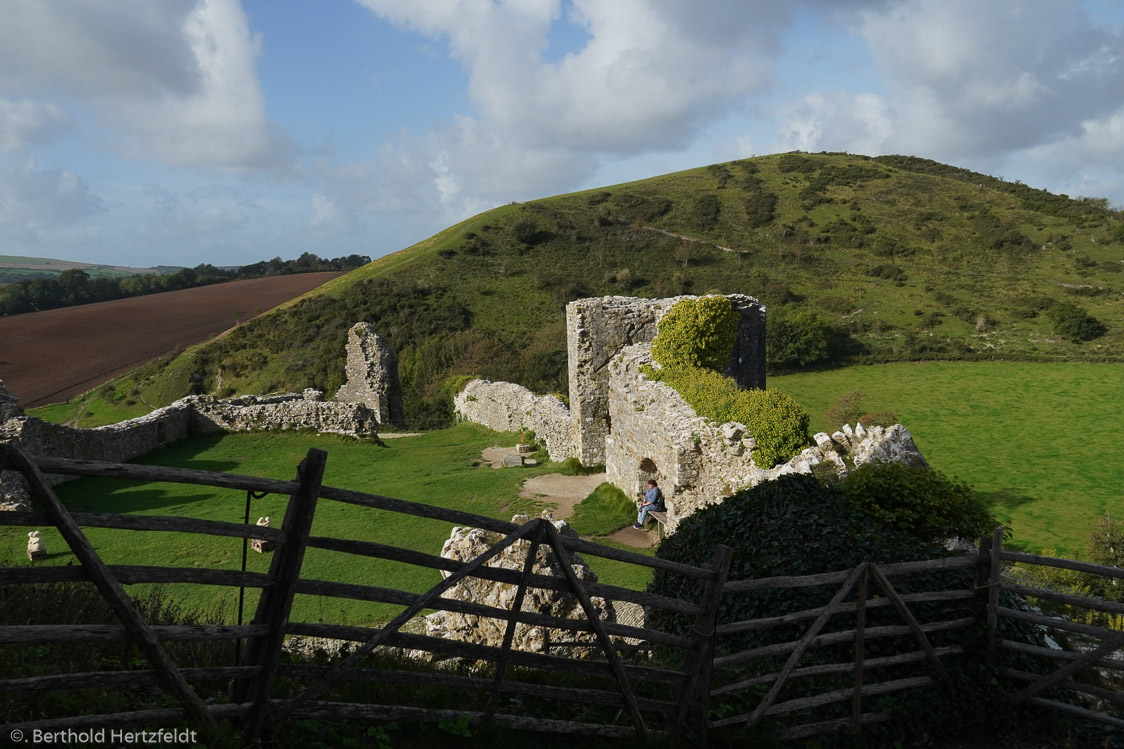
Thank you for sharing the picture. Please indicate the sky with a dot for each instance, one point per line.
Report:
(181, 132)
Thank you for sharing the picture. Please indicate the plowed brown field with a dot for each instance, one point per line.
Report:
(47, 357)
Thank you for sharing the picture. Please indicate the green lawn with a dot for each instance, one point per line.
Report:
(436, 468)
(1039, 441)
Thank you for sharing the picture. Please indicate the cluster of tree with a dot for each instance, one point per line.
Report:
(73, 287)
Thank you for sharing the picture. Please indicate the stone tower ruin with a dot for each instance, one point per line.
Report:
(372, 375)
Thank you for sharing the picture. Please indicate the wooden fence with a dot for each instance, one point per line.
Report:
(870, 637)
(633, 710)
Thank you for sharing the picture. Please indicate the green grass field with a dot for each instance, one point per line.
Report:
(437, 468)
(1038, 441)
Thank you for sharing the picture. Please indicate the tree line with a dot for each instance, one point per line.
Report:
(75, 286)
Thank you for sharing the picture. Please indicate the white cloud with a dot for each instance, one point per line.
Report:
(650, 76)
(174, 81)
(837, 121)
(975, 79)
(24, 122)
(35, 200)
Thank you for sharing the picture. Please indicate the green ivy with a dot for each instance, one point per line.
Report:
(696, 333)
(778, 423)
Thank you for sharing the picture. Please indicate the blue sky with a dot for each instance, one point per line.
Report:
(229, 131)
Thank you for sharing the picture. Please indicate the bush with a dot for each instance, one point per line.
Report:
(696, 333)
(919, 501)
(798, 526)
(795, 339)
(1074, 323)
(778, 423)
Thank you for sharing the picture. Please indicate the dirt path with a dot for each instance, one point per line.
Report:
(565, 491)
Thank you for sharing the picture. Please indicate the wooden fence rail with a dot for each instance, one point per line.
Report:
(670, 698)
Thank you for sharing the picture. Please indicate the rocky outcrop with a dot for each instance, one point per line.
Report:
(465, 544)
(372, 375)
(506, 407)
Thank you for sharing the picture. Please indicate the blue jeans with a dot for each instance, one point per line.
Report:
(644, 514)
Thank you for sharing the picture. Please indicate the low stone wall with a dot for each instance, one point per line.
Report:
(188, 417)
(506, 407)
(697, 462)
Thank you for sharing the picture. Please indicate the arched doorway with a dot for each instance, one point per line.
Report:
(647, 470)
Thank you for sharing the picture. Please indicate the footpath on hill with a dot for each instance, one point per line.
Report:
(51, 356)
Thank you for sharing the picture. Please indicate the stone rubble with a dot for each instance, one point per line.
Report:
(465, 544)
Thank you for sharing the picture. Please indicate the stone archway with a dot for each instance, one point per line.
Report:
(646, 470)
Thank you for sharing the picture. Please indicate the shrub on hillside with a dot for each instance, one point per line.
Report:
(778, 423)
(919, 501)
(696, 333)
(795, 338)
(1074, 323)
(850, 409)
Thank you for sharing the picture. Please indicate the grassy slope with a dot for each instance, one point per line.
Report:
(901, 256)
(436, 468)
(1039, 441)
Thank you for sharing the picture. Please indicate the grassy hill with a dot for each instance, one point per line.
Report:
(17, 267)
(902, 259)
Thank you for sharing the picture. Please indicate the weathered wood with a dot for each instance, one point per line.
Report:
(912, 622)
(410, 612)
(1108, 646)
(161, 473)
(1096, 604)
(803, 644)
(362, 711)
(1057, 655)
(1056, 622)
(833, 578)
(131, 574)
(860, 653)
(1081, 712)
(829, 726)
(276, 603)
(115, 595)
(836, 668)
(607, 648)
(587, 695)
(1100, 692)
(102, 632)
(993, 581)
(847, 608)
(104, 679)
(151, 523)
(1065, 564)
(694, 693)
(509, 631)
(836, 638)
(843, 695)
(162, 717)
(457, 649)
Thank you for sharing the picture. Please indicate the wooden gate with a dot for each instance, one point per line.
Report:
(860, 590)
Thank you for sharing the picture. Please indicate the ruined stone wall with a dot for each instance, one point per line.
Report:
(506, 407)
(698, 462)
(372, 375)
(597, 328)
(187, 417)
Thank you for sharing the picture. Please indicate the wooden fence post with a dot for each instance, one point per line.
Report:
(860, 651)
(993, 588)
(276, 602)
(694, 694)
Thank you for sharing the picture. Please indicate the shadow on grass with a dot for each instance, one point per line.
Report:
(1006, 498)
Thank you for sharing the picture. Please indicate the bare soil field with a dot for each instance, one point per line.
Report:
(48, 357)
